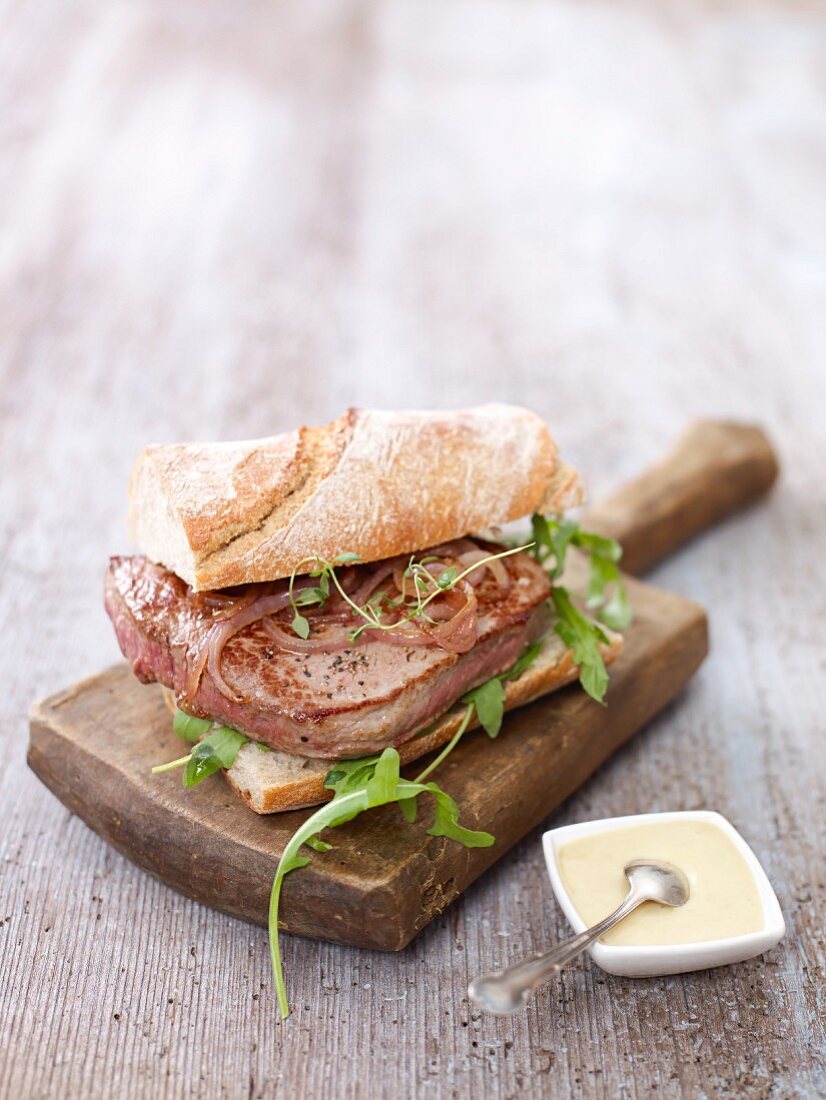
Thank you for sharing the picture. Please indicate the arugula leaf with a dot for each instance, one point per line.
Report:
(527, 658)
(381, 786)
(350, 775)
(361, 785)
(216, 751)
(604, 570)
(617, 613)
(409, 808)
(552, 539)
(446, 822)
(291, 863)
(601, 573)
(201, 765)
(317, 845)
(488, 699)
(582, 637)
(489, 702)
(188, 727)
(599, 545)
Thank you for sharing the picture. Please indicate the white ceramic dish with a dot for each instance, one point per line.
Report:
(642, 962)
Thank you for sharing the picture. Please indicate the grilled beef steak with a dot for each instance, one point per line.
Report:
(347, 703)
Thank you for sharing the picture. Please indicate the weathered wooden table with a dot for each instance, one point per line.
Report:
(218, 221)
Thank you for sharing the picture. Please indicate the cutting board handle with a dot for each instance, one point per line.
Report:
(716, 468)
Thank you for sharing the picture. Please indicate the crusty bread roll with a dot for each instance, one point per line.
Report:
(270, 782)
(374, 484)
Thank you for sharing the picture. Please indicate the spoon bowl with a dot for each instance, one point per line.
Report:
(504, 991)
(657, 881)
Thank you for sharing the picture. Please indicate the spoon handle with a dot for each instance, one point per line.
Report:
(504, 991)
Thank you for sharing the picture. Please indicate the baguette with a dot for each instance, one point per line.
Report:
(271, 782)
(374, 484)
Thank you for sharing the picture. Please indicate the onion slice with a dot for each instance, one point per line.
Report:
(458, 633)
(373, 581)
(209, 654)
(495, 565)
(293, 644)
(196, 659)
(450, 622)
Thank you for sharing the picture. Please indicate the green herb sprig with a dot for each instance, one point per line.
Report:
(314, 595)
(361, 785)
(580, 633)
(583, 637)
(426, 588)
(489, 698)
(216, 750)
(551, 541)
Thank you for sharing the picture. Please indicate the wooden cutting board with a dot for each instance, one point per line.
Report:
(94, 744)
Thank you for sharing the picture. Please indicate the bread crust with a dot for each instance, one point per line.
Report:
(372, 483)
(273, 782)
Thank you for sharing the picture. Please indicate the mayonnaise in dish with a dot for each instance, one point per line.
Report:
(724, 900)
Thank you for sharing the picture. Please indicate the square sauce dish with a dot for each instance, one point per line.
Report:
(732, 913)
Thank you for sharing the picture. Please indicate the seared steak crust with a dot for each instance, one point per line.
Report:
(335, 705)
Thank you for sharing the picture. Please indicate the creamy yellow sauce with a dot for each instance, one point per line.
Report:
(724, 899)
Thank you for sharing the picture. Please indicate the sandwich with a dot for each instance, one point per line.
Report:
(324, 607)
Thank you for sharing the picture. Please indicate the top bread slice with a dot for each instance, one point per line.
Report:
(374, 484)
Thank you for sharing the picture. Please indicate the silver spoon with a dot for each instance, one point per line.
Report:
(504, 991)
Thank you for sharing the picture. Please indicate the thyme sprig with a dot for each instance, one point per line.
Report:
(426, 588)
(317, 594)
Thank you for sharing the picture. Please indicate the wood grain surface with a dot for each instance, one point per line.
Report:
(221, 220)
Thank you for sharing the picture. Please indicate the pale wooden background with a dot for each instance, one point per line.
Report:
(219, 220)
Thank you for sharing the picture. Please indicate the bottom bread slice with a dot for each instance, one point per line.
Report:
(271, 781)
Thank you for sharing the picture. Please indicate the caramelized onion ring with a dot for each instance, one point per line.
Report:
(373, 581)
(454, 612)
(225, 625)
(196, 659)
(292, 643)
(458, 633)
(223, 605)
(495, 565)
(225, 629)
